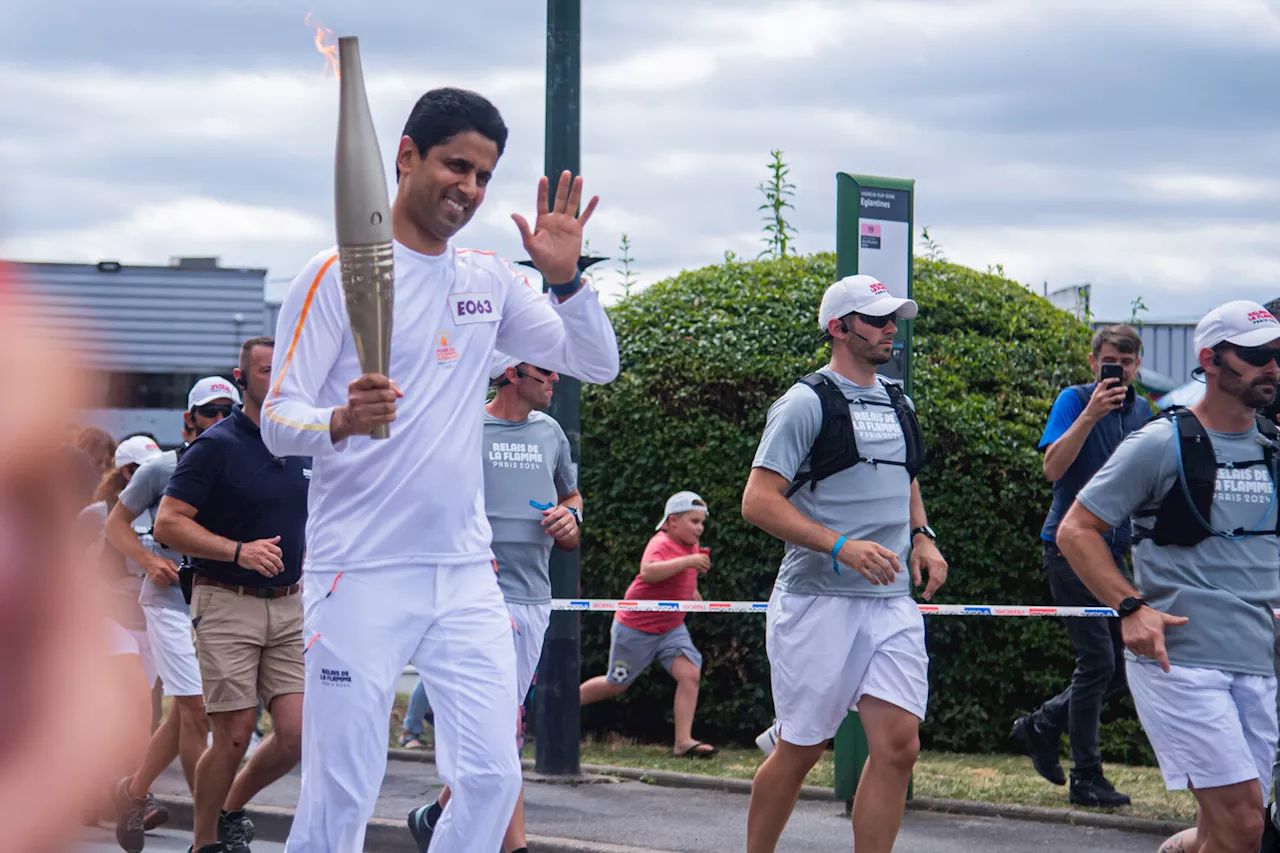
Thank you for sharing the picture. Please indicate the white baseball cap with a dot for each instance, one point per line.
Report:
(137, 449)
(864, 295)
(212, 388)
(682, 502)
(1243, 323)
(500, 362)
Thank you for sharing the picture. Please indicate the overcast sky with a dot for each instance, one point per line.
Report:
(1132, 144)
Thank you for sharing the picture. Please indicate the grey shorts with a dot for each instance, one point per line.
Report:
(631, 651)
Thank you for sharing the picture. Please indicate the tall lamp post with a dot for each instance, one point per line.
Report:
(556, 696)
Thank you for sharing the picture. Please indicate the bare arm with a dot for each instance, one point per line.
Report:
(176, 524)
(925, 555)
(119, 533)
(1059, 455)
(1080, 539)
(658, 571)
(765, 505)
(570, 539)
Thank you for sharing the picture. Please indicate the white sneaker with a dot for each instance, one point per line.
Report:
(768, 738)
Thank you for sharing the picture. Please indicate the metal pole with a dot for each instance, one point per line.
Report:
(556, 695)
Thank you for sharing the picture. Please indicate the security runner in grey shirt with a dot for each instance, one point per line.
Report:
(532, 501)
(1199, 627)
(185, 731)
(842, 630)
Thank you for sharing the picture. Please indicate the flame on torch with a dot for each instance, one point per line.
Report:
(330, 51)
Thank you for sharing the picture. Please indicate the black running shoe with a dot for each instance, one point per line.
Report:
(1091, 789)
(422, 824)
(235, 831)
(1043, 749)
(131, 817)
(157, 815)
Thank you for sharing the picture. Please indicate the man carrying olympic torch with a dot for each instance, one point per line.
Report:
(398, 565)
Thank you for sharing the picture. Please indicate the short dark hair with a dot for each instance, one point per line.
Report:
(1122, 337)
(442, 114)
(247, 347)
(1273, 306)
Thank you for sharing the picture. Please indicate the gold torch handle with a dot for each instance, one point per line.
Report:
(368, 282)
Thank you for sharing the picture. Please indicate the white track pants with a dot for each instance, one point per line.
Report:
(361, 629)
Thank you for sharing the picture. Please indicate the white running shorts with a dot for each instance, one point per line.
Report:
(126, 642)
(529, 628)
(1209, 728)
(826, 652)
(175, 654)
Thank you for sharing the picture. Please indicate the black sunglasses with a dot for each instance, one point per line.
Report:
(212, 410)
(1257, 356)
(876, 322)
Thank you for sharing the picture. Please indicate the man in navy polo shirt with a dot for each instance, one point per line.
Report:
(240, 513)
(1086, 425)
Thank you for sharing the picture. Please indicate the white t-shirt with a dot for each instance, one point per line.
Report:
(417, 497)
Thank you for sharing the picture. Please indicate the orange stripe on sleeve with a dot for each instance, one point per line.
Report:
(302, 318)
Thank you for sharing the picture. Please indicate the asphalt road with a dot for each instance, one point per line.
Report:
(689, 821)
(161, 841)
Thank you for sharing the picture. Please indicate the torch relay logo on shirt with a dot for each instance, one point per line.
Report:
(446, 355)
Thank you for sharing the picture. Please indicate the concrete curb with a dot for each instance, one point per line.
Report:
(671, 779)
(384, 835)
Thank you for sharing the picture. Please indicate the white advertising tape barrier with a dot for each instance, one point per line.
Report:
(610, 605)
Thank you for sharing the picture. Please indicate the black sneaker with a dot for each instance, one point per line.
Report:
(1043, 749)
(422, 824)
(218, 847)
(131, 817)
(235, 831)
(1091, 789)
(157, 815)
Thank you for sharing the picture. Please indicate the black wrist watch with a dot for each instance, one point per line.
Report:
(926, 530)
(1130, 606)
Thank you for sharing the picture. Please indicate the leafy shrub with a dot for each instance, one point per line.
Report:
(704, 354)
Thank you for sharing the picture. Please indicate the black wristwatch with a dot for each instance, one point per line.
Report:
(926, 530)
(1130, 606)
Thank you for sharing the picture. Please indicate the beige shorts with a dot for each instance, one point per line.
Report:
(247, 647)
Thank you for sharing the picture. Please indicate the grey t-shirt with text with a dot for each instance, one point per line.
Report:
(866, 501)
(142, 497)
(1226, 588)
(524, 461)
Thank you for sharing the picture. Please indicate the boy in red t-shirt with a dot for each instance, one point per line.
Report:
(669, 571)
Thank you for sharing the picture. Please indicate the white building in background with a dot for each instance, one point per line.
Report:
(147, 333)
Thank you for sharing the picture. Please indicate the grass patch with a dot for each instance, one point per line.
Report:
(980, 778)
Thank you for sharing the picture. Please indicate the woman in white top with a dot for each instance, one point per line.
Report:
(130, 652)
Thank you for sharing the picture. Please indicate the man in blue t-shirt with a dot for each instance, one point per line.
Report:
(240, 514)
(1086, 425)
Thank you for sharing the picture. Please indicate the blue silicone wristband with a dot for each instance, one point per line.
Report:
(835, 549)
(569, 288)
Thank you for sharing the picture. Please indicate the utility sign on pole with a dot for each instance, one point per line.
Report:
(874, 224)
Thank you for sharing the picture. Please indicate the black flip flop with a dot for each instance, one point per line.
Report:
(693, 752)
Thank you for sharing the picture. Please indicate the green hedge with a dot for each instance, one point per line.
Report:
(703, 356)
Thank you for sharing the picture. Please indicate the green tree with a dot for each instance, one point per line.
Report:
(779, 234)
(704, 354)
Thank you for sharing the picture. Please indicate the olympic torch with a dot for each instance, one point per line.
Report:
(363, 212)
